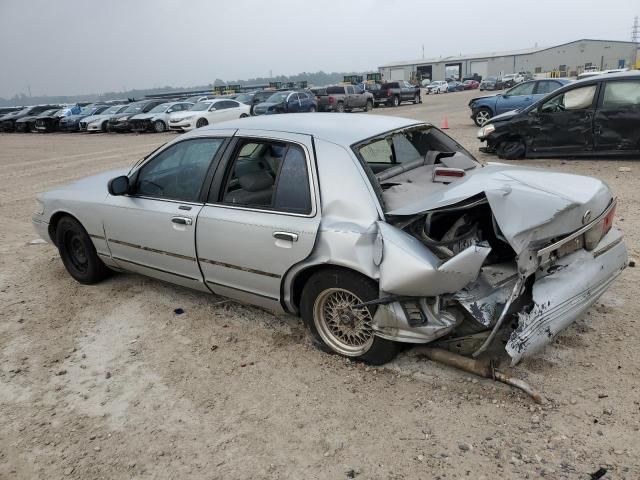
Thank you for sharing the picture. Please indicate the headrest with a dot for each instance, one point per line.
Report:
(277, 151)
(256, 181)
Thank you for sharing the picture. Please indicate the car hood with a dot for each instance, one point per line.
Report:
(93, 188)
(28, 118)
(72, 118)
(503, 117)
(145, 116)
(483, 97)
(561, 201)
(121, 115)
(93, 118)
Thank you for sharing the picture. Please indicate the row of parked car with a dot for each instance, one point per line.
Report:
(184, 114)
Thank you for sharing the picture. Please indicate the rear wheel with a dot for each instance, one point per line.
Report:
(482, 116)
(340, 107)
(159, 126)
(202, 122)
(105, 126)
(78, 253)
(395, 101)
(369, 106)
(328, 307)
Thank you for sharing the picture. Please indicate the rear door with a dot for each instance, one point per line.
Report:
(517, 97)
(261, 217)
(617, 120)
(152, 230)
(564, 123)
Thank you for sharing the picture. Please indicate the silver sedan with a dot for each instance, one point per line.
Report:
(376, 231)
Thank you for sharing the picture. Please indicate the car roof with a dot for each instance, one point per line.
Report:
(631, 75)
(338, 128)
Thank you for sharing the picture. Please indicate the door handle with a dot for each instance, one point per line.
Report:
(292, 237)
(182, 220)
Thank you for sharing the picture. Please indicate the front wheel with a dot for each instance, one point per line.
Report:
(482, 116)
(312, 109)
(244, 115)
(416, 99)
(159, 126)
(78, 253)
(202, 122)
(511, 149)
(328, 307)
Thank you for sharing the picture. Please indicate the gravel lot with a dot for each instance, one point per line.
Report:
(107, 382)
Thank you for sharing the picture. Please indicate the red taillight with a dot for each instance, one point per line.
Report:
(388, 93)
(447, 175)
(331, 100)
(607, 223)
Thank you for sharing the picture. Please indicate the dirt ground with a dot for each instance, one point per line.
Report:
(107, 382)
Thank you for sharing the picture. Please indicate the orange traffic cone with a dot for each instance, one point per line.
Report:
(445, 124)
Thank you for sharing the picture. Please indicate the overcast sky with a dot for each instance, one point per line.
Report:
(85, 46)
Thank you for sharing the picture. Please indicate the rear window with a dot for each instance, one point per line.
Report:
(335, 90)
(390, 85)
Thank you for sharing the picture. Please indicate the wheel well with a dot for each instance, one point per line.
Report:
(303, 277)
(53, 224)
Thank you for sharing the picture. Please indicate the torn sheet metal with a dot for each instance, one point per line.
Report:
(409, 268)
(560, 200)
(559, 298)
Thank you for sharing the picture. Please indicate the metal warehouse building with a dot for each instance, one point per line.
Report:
(568, 59)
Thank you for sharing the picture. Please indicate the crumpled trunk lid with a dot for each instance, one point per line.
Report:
(531, 206)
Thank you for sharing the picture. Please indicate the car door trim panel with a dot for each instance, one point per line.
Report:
(152, 250)
(248, 292)
(237, 267)
(157, 269)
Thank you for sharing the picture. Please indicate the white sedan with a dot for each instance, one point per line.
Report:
(208, 112)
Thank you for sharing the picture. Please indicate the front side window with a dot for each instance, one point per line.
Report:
(350, 90)
(178, 172)
(547, 86)
(522, 89)
(269, 175)
(576, 99)
(621, 94)
(293, 98)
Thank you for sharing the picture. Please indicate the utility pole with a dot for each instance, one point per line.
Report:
(423, 50)
(635, 31)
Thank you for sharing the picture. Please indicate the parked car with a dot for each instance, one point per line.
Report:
(455, 86)
(320, 216)
(375, 89)
(596, 116)
(6, 110)
(474, 76)
(157, 119)
(470, 84)
(199, 98)
(48, 121)
(439, 86)
(205, 113)
(71, 123)
(28, 123)
(491, 83)
(287, 101)
(344, 98)
(400, 91)
(100, 122)
(518, 97)
(120, 121)
(254, 98)
(512, 79)
(8, 121)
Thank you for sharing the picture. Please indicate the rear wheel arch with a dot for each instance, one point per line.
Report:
(302, 277)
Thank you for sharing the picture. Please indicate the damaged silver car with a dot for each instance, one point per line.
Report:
(376, 231)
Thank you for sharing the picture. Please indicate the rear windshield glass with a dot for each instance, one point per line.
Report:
(390, 85)
(335, 90)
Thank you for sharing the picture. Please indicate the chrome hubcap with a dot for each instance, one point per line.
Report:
(347, 330)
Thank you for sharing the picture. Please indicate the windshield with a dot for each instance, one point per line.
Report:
(113, 109)
(244, 97)
(133, 108)
(491, 79)
(198, 107)
(160, 108)
(278, 97)
(46, 113)
(87, 110)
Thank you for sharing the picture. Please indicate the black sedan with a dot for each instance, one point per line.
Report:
(8, 121)
(120, 122)
(596, 116)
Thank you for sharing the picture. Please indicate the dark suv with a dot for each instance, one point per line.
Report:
(395, 93)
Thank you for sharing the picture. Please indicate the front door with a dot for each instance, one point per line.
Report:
(293, 103)
(517, 97)
(564, 123)
(261, 218)
(152, 230)
(617, 119)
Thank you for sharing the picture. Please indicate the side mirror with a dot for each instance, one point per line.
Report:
(118, 186)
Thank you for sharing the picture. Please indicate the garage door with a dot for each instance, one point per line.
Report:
(397, 74)
(481, 68)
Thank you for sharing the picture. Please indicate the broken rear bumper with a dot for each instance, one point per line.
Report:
(562, 296)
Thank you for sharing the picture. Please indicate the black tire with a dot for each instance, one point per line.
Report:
(159, 126)
(512, 149)
(321, 286)
(105, 126)
(78, 253)
(368, 106)
(395, 101)
(482, 116)
(416, 99)
(339, 107)
(243, 115)
(202, 122)
(312, 109)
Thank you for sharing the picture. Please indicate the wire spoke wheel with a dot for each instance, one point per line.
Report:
(346, 329)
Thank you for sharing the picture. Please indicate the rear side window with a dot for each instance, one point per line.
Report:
(292, 191)
(621, 94)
